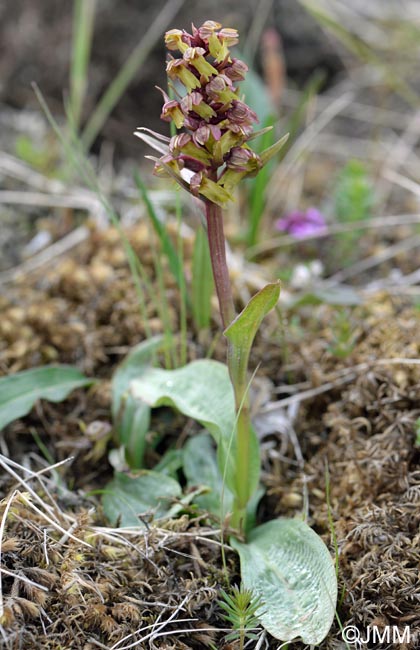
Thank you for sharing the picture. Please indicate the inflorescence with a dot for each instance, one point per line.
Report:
(211, 155)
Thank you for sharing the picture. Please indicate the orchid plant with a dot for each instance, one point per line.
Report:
(283, 561)
(208, 159)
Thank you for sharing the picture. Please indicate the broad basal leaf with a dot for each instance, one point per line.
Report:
(19, 392)
(289, 567)
(201, 469)
(133, 366)
(132, 417)
(149, 495)
(201, 390)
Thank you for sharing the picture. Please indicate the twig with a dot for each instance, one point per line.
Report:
(38, 499)
(19, 170)
(336, 229)
(306, 394)
(373, 260)
(160, 627)
(83, 201)
(4, 463)
(402, 181)
(2, 527)
(60, 247)
(355, 111)
(303, 143)
(52, 522)
(399, 154)
(352, 374)
(7, 463)
(16, 576)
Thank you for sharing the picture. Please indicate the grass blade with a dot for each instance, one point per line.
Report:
(168, 248)
(83, 22)
(259, 184)
(127, 72)
(362, 50)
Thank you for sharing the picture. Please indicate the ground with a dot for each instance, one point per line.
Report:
(355, 424)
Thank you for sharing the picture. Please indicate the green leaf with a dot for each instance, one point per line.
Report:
(288, 566)
(241, 332)
(132, 417)
(175, 263)
(272, 151)
(127, 498)
(134, 364)
(258, 186)
(19, 392)
(200, 468)
(170, 463)
(201, 390)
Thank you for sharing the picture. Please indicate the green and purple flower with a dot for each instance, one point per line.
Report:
(211, 155)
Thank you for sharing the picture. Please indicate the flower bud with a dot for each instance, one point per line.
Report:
(236, 71)
(242, 159)
(207, 29)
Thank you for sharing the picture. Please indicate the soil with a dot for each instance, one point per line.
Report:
(100, 585)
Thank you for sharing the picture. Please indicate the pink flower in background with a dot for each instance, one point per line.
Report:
(301, 224)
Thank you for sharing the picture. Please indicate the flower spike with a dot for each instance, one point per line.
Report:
(210, 155)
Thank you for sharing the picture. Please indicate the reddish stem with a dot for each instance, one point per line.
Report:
(216, 238)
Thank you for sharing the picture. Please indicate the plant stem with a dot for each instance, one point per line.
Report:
(217, 245)
(238, 364)
(237, 360)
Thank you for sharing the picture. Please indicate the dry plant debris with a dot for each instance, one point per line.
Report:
(59, 592)
(67, 582)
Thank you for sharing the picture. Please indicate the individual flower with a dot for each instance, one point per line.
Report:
(241, 117)
(220, 42)
(243, 159)
(171, 110)
(178, 69)
(195, 102)
(194, 56)
(176, 39)
(301, 224)
(207, 29)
